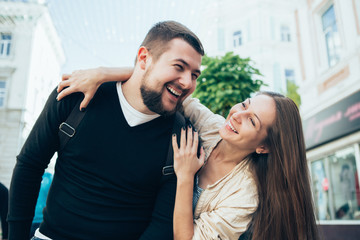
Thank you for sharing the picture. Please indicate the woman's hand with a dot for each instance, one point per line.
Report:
(85, 81)
(186, 162)
(88, 81)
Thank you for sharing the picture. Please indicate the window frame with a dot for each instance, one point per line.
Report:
(238, 38)
(328, 37)
(285, 33)
(6, 45)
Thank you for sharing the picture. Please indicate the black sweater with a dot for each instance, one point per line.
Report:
(108, 182)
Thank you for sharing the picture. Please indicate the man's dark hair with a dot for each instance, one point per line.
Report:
(158, 37)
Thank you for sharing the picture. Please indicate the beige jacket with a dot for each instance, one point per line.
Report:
(223, 209)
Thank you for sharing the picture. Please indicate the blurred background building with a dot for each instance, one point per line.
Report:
(31, 57)
(316, 44)
(312, 43)
(329, 37)
(264, 30)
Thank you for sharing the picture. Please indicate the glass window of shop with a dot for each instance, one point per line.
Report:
(335, 186)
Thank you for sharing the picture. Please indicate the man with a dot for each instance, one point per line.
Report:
(108, 180)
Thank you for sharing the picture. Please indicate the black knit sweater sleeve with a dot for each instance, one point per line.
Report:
(161, 225)
(33, 159)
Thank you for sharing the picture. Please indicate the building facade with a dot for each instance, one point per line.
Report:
(31, 57)
(264, 30)
(316, 44)
(329, 43)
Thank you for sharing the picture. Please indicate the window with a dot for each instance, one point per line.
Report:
(290, 75)
(331, 36)
(5, 44)
(285, 34)
(335, 186)
(2, 93)
(237, 37)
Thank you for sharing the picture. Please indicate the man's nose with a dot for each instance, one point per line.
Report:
(186, 81)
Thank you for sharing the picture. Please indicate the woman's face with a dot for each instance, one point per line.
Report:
(247, 123)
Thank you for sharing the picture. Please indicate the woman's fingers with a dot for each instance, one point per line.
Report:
(202, 156)
(63, 84)
(85, 102)
(189, 141)
(175, 144)
(65, 77)
(195, 142)
(183, 138)
(64, 93)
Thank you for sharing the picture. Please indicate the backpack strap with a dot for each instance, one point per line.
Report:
(67, 128)
(179, 122)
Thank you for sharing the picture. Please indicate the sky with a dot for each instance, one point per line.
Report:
(108, 32)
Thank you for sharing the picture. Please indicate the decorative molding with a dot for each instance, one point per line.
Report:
(334, 79)
(321, 5)
(301, 58)
(357, 20)
(309, 2)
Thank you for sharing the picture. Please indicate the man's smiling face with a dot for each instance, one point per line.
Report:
(171, 78)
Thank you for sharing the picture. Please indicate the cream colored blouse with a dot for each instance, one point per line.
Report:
(223, 208)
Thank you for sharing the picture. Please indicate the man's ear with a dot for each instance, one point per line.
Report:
(262, 149)
(143, 57)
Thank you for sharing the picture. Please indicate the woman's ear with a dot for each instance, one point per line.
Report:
(262, 149)
(143, 57)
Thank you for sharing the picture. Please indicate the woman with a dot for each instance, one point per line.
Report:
(255, 175)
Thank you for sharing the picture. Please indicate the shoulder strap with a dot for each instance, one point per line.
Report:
(179, 122)
(67, 128)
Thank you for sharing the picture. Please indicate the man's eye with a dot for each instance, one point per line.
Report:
(194, 76)
(179, 67)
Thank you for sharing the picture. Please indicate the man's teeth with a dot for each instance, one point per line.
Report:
(232, 128)
(173, 91)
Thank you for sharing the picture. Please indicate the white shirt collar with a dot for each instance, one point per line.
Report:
(132, 116)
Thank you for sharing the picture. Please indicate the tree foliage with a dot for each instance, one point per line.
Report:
(226, 81)
(292, 92)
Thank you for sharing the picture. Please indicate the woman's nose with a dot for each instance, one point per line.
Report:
(237, 116)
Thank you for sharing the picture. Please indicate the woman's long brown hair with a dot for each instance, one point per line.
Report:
(285, 208)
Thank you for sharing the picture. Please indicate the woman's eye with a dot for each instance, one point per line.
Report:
(252, 122)
(243, 104)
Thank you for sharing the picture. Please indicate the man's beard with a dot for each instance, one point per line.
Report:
(153, 101)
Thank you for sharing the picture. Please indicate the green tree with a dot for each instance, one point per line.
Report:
(291, 92)
(226, 81)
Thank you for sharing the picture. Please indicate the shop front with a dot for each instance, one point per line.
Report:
(332, 139)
